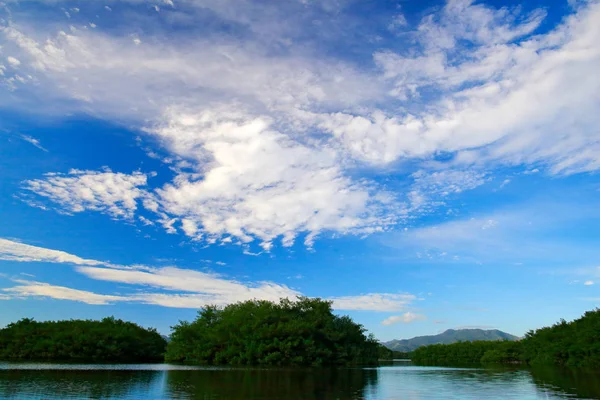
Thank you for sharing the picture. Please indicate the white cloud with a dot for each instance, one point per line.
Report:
(500, 100)
(214, 289)
(266, 291)
(588, 283)
(197, 297)
(504, 183)
(430, 188)
(448, 181)
(13, 61)
(34, 142)
(249, 180)
(186, 288)
(373, 302)
(16, 251)
(116, 194)
(38, 289)
(270, 129)
(145, 220)
(171, 278)
(91, 65)
(209, 288)
(182, 300)
(405, 318)
(257, 182)
(398, 22)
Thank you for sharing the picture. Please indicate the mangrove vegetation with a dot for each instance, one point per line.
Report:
(301, 332)
(304, 332)
(108, 340)
(570, 344)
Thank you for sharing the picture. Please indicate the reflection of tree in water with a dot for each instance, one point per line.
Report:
(548, 380)
(69, 384)
(580, 383)
(286, 384)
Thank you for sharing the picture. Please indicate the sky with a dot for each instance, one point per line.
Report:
(424, 165)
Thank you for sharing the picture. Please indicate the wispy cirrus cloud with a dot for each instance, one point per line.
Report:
(168, 286)
(11, 250)
(35, 142)
(172, 278)
(29, 289)
(431, 189)
(522, 233)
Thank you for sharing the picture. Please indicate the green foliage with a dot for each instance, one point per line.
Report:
(387, 354)
(400, 355)
(383, 353)
(80, 340)
(468, 353)
(571, 344)
(302, 332)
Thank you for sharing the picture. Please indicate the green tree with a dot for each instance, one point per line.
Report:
(301, 332)
(82, 340)
(571, 344)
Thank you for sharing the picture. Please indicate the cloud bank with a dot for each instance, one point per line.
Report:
(268, 133)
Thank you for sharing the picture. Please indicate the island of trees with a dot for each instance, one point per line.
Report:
(571, 344)
(304, 332)
(300, 333)
(108, 340)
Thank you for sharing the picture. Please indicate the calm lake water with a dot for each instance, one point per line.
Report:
(396, 381)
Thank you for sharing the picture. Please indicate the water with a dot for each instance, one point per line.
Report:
(397, 381)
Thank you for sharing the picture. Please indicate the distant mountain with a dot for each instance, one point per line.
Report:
(447, 337)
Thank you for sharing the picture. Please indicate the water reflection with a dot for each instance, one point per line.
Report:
(289, 384)
(578, 383)
(161, 381)
(68, 384)
(424, 383)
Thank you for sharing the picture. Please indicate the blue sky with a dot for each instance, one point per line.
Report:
(425, 165)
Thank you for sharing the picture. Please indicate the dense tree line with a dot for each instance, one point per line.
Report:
(468, 353)
(80, 340)
(572, 344)
(302, 332)
(386, 354)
